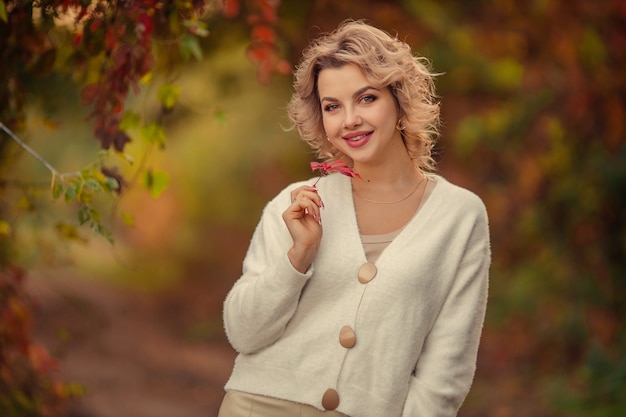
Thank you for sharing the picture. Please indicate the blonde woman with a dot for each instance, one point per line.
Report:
(364, 295)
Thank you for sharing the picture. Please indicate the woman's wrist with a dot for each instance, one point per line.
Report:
(301, 258)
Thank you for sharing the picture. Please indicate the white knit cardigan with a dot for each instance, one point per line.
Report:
(417, 323)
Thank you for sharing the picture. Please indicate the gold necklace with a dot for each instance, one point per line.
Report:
(390, 202)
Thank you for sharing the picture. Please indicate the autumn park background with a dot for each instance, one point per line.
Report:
(160, 126)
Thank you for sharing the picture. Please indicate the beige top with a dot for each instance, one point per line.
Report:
(374, 245)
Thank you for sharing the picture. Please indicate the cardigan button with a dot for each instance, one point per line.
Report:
(330, 400)
(367, 272)
(347, 337)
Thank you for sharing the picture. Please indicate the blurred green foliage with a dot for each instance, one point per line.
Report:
(534, 103)
(104, 49)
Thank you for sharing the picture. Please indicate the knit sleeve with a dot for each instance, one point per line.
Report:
(263, 300)
(446, 366)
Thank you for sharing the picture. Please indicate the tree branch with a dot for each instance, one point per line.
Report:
(31, 151)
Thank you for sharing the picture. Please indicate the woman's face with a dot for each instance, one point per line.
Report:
(359, 119)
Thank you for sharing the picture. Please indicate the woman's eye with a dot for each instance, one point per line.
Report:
(331, 107)
(368, 99)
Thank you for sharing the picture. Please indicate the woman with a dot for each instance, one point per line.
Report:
(365, 294)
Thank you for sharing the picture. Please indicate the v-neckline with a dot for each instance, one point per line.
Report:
(417, 217)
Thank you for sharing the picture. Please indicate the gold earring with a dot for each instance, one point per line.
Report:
(399, 125)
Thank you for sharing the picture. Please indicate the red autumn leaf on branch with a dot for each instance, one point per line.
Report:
(95, 25)
(89, 93)
(337, 166)
(110, 40)
(259, 53)
(231, 8)
(40, 359)
(263, 33)
(268, 10)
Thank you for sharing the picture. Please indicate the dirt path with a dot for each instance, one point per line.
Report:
(128, 350)
(138, 355)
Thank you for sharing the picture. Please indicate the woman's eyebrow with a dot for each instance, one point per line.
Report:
(356, 93)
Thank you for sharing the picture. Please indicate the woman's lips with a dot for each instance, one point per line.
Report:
(357, 139)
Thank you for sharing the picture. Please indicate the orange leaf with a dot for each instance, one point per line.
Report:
(40, 359)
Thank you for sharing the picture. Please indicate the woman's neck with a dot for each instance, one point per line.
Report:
(389, 175)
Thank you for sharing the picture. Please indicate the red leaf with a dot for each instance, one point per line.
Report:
(264, 72)
(147, 24)
(89, 93)
(337, 166)
(40, 359)
(95, 25)
(258, 53)
(120, 139)
(121, 56)
(231, 8)
(110, 40)
(264, 33)
(268, 9)
(283, 67)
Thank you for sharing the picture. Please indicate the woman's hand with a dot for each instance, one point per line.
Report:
(304, 222)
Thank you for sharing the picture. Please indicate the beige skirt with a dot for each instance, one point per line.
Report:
(243, 404)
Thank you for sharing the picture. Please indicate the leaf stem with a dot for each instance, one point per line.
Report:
(31, 151)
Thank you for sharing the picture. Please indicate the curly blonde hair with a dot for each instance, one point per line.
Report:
(387, 63)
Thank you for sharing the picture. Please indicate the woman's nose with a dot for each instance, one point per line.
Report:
(351, 120)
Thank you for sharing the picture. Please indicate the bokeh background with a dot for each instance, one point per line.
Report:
(533, 99)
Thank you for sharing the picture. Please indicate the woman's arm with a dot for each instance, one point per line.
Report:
(446, 366)
(263, 300)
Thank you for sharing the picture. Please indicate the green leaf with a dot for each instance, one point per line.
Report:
(84, 193)
(467, 135)
(506, 74)
(70, 193)
(196, 27)
(111, 184)
(168, 95)
(146, 79)
(57, 190)
(69, 231)
(155, 182)
(95, 215)
(25, 204)
(592, 49)
(220, 116)
(130, 120)
(103, 231)
(153, 133)
(84, 214)
(128, 219)
(191, 47)
(5, 228)
(93, 185)
(79, 189)
(3, 12)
